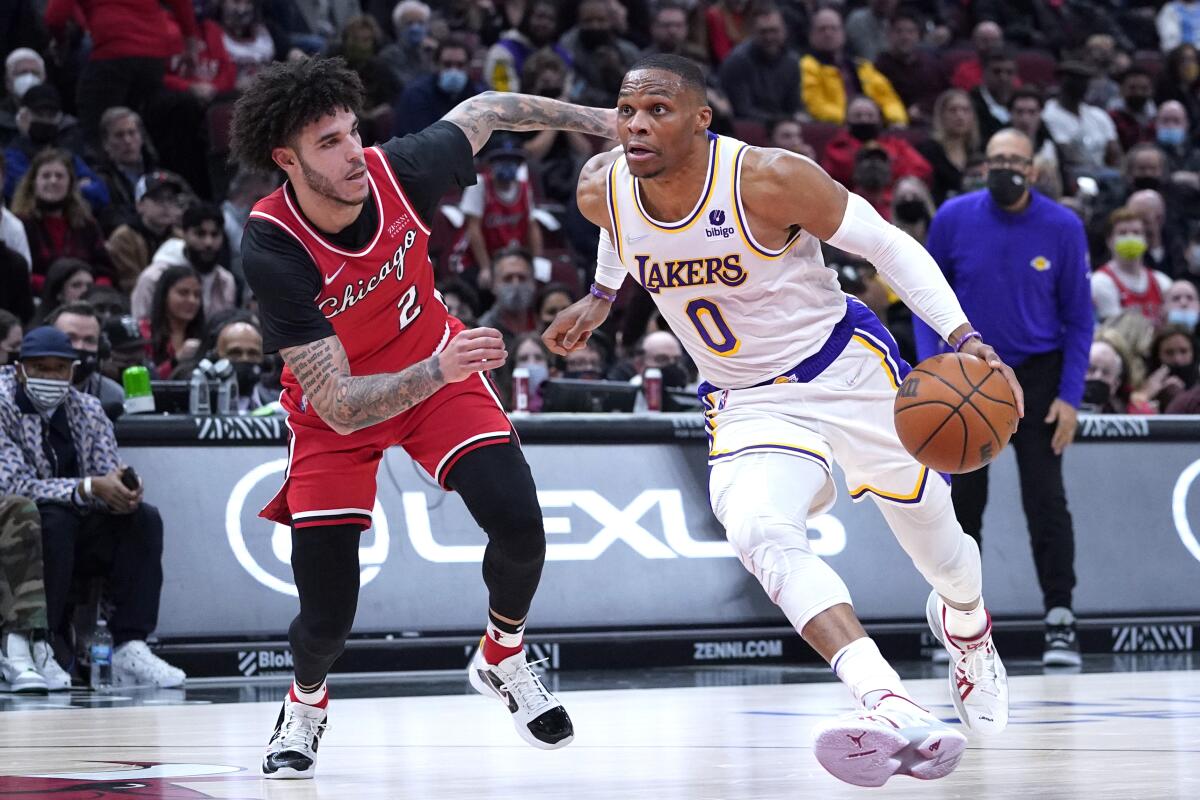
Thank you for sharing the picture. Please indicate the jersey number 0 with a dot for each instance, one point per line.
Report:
(711, 325)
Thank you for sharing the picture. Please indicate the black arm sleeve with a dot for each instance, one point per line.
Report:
(429, 163)
(285, 282)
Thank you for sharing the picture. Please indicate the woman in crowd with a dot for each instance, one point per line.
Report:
(1180, 80)
(528, 352)
(58, 223)
(1172, 369)
(552, 299)
(953, 140)
(68, 280)
(176, 323)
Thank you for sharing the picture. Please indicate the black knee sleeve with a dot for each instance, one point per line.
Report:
(497, 487)
(325, 565)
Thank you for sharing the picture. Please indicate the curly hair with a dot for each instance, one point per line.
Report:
(284, 99)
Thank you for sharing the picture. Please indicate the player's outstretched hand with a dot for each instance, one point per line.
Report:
(476, 350)
(977, 348)
(573, 326)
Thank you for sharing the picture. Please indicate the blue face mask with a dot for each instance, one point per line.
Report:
(1170, 137)
(1187, 317)
(415, 33)
(452, 81)
(506, 171)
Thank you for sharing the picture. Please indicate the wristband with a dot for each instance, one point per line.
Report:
(602, 293)
(87, 488)
(966, 337)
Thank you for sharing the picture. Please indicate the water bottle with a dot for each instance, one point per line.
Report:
(198, 388)
(227, 388)
(520, 382)
(101, 652)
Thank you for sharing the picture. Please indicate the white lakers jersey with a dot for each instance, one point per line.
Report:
(744, 312)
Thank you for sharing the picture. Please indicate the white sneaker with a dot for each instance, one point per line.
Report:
(57, 679)
(292, 751)
(897, 737)
(537, 715)
(16, 667)
(978, 680)
(134, 665)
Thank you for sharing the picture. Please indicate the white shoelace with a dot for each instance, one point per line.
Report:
(527, 686)
(975, 664)
(299, 731)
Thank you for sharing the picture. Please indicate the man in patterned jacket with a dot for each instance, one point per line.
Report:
(58, 449)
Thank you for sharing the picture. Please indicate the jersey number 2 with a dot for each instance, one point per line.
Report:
(713, 330)
(409, 310)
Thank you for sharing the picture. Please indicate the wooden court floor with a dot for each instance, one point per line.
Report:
(1133, 736)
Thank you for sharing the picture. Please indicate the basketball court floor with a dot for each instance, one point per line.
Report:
(1125, 727)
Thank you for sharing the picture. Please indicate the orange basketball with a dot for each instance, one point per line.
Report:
(954, 413)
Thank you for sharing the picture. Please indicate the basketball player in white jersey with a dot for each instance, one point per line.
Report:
(726, 238)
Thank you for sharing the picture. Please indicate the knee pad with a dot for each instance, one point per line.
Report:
(769, 545)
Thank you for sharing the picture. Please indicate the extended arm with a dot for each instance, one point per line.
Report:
(484, 113)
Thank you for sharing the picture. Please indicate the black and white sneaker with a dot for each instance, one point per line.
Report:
(537, 715)
(1062, 645)
(292, 752)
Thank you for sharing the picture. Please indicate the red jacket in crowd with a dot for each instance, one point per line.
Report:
(212, 64)
(123, 28)
(840, 150)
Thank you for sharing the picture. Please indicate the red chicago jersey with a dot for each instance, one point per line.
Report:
(1148, 301)
(380, 299)
(505, 224)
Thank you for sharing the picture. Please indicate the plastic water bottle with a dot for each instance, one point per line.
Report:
(101, 652)
(198, 389)
(227, 388)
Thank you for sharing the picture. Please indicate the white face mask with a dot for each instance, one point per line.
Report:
(24, 82)
(46, 394)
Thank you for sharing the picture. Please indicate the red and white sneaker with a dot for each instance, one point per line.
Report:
(897, 737)
(978, 680)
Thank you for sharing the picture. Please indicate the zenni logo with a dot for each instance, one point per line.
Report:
(719, 230)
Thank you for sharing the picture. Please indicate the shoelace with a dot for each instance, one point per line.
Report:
(300, 731)
(527, 685)
(974, 663)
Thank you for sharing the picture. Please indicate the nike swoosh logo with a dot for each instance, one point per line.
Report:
(330, 278)
(632, 239)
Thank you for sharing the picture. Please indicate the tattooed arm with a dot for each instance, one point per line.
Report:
(348, 403)
(484, 113)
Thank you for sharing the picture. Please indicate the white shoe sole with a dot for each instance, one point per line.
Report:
(869, 756)
(485, 689)
(1061, 658)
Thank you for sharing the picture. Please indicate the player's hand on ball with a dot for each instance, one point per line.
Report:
(573, 326)
(977, 348)
(476, 350)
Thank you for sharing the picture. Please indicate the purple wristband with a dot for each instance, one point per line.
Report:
(603, 294)
(966, 337)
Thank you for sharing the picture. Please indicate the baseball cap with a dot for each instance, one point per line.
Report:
(123, 332)
(153, 181)
(505, 147)
(47, 341)
(43, 98)
(1077, 68)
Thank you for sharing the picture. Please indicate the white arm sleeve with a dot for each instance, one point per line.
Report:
(610, 272)
(909, 269)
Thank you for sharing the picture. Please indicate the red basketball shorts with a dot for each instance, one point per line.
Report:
(330, 478)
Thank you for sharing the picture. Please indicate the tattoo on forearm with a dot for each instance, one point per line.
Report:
(491, 111)
(345, 401)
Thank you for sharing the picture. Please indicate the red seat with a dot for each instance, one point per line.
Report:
(1036, 67)
(952, 58)
(1149, 60)
(818, 134)
(751, 132)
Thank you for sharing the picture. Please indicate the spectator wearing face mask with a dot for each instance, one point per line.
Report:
(23, 69)
(597, 53)
(1106, 384)
(10, 337)
(41, 125)
(58, 449)
(1085, 135)
(406, 57)
(1173, 134)
(429, 98)
(912, 208)
(127, 348)
(1124, 282)
(159, 198)
(79, 321)
(529, 353)
(1134, 111)
(552, 299)
(240, 341)
(499, 210)
(199, 248)
(864, 130)
(513, 312)
(506, 59)
(1181, 304)
(589, 363)
(1172, 368)
(660, 350)
(1146, 168)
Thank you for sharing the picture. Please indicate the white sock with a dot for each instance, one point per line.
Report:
(964, 624)
(504, 638)
(864, 670)
(313, 698)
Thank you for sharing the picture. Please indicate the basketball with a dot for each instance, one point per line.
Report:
(954, 413)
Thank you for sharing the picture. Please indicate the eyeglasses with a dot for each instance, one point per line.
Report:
(1009, 162)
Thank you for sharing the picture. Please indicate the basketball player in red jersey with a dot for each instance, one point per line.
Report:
(337, 258)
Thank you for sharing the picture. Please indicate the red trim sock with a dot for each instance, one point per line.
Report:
(317, 698)
(500, 644)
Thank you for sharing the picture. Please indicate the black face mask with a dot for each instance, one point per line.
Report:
(583, 375)
(1007, 186)
(872, 174)
(674, 375)
(1096, 394)
(1186, 373)
(1147, 182)
(864, 131)
(912, 211)
(248, 374)
(551, 90)
(1074, 88)
(88, 364)
(1136, 104)
(43, 133)
(591, 39)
